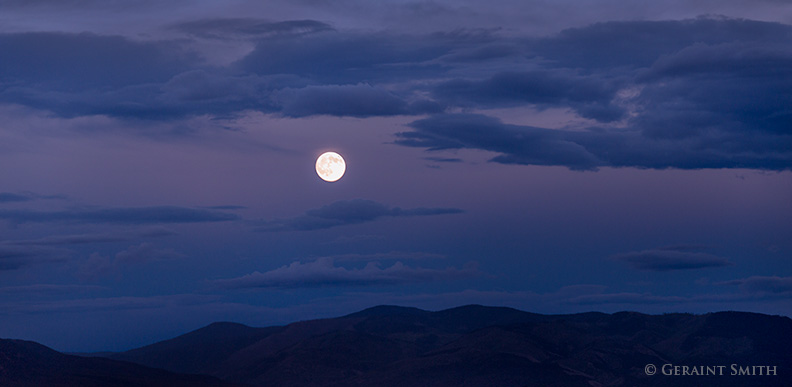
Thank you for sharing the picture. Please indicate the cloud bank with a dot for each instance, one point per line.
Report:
(710, 92)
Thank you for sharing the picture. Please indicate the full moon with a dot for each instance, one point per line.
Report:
(330, 166)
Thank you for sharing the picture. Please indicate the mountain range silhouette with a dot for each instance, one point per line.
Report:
(465, 346)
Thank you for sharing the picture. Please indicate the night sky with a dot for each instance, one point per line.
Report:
(157, 161)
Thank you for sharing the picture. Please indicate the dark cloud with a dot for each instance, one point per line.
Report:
(585, 68)
(703, 93)
(348, 212)
(154, 232)
(226, 28)
(354, 239)
(360, 100)
(221, 92)
(189, 93)
(323, 272)
(16, 254)
(65, 62)
(10, 197)
(684, 247)
(131, 215)
(671, 259)
(485, 52)
(70, 239)
(732, 96)
(198, 92)
(350, 58)
(97, 265)
(82, 5)
(109, 303)
(636, 44)
(391, 255)
(20, 253)
(6, 197)
(84, 74)
(79, 239)
(340, 100)
(627, 298)
(145, 252)
(226, 207)
(770, 285)
(590, 96)
(517, 144)
(752, 289)
(444, 159)
(16, 257)
(596, 147)
(690, 94)
(49, 289)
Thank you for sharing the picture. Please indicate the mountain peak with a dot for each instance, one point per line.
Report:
(480, 308)
(386, 310)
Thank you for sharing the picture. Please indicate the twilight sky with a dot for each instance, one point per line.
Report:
(156, 161)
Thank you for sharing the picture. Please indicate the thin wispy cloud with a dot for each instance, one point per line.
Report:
(17, 257)
(11, 197)
(671, 259)
(249, 28)
(771, 285)
(391, 255)
(80, 239)
(121, 215)
(97, 266)
(348, 212)
(325, 273)
(50, 289)
(82, 305)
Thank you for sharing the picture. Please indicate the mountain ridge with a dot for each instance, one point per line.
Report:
(389, 344)
(27, 363)
(475, 345)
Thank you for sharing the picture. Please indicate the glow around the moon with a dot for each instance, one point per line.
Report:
(330, 166)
